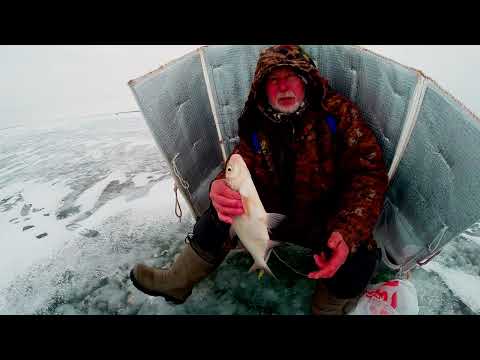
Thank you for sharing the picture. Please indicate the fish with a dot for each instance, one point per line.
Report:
(254, 226)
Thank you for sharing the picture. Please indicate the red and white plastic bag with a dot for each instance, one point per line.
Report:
(394, 297)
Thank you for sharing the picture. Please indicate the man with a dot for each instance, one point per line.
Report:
(313, 158)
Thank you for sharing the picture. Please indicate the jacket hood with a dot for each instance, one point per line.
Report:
(273, 57)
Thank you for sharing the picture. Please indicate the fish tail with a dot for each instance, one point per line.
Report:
(263, 267)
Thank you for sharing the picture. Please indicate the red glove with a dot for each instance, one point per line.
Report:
(227, 202)
(329, 267)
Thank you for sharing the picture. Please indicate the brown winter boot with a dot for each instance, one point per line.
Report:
(324, 303)
(176, 283)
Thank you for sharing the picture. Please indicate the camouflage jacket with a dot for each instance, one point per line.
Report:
(324, 178)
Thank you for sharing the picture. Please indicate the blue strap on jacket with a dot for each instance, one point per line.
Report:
(255, 143)
(332, 124)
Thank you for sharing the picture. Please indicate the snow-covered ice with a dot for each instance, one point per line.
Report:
(90, 196)
(456, 281)
(83, 201)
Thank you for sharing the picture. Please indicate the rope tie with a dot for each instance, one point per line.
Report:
(185, 185)
(178, 209)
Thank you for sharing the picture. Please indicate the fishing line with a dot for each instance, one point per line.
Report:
(183, 182)
(286, 264)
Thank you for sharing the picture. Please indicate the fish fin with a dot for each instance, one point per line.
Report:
(267, 255)
(236, 251)
(239, 249)
(254, 267)
(240, 246)
(273, 220)
(272, 243)
(245, 204)
(231, 232)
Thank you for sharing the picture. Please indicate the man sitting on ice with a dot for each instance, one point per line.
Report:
(313, 158)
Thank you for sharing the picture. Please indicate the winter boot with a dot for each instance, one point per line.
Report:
(324, 303)
(176, 283)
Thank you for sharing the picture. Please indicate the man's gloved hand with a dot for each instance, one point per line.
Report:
(329, 267)
(227, 202)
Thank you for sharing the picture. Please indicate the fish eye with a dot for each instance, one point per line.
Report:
(229, 169)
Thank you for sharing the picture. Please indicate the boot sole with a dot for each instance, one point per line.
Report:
(152, 292)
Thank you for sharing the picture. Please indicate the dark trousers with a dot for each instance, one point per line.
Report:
(211, 242)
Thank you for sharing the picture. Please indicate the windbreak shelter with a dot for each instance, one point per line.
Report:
(430, 140)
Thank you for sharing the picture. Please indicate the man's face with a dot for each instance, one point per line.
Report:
(285, 90)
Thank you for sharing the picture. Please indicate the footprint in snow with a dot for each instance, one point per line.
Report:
(25, 209)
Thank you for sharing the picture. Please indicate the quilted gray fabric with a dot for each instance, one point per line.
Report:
(434, 195)
(175, 105)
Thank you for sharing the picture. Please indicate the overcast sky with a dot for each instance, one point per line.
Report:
(42, 83)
